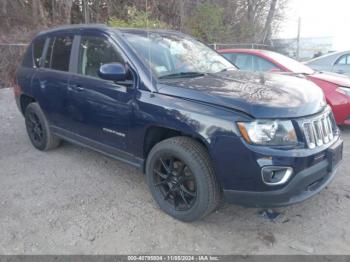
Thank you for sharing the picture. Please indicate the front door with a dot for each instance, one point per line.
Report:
(100, 110)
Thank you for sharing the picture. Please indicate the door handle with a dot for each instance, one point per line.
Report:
(77, 87)
(340, 71)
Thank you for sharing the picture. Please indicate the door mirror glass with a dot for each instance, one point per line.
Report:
(113, 71)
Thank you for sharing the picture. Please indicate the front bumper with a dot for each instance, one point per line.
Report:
(303, 185)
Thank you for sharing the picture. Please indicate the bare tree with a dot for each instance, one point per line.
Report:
(86, 11)
(64, 8)
(38, 12)
(269, 20)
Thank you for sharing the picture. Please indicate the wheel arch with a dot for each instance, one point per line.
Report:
(24, 101)
(155, 134)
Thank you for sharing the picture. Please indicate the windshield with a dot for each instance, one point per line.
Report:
(291, 64)
(171, 55)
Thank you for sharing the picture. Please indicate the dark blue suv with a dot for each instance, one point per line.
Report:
(200, 129)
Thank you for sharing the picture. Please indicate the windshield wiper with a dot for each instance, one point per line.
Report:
(181, 75)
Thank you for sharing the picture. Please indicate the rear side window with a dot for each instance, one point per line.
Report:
(38, 47)
(58, 53)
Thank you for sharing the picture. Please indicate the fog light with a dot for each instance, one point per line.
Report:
(276, 175)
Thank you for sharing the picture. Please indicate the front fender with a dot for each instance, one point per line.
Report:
(205, 122)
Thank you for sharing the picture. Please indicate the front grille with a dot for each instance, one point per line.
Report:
(319, 130)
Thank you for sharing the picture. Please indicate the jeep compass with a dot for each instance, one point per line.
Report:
(199, 129)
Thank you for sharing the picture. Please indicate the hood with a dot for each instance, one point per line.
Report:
(340, 80)
(259, 95)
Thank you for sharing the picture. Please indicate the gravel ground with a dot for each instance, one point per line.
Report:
(74, 201)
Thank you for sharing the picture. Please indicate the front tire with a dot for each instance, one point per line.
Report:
(38, 129)
(181, 179)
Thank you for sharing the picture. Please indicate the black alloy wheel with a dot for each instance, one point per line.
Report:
(175, 181)
(38, 128)
(35, 129)
(181, 178)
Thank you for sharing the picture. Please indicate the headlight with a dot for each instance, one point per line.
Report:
(344, 90)
(268, 132)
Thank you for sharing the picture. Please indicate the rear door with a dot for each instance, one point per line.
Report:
(51, 81)
(100, 110)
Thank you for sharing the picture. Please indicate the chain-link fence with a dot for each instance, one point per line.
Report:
(10, 56)
(217, 46)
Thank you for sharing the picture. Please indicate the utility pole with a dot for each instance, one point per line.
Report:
(298, 40)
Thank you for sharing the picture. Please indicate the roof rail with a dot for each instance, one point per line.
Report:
(73, 26)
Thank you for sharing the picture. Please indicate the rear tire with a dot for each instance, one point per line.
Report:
(38, 129)
(181, 179)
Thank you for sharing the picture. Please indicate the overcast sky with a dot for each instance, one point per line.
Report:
(319, 18)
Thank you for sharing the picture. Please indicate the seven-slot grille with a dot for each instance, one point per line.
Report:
(318, 130)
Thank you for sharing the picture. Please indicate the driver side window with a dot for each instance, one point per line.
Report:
(94, 52)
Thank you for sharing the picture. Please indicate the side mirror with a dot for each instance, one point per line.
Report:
(113, 71)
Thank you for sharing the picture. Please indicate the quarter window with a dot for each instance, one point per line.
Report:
(61, 53)
(38, 47)
(94, 52)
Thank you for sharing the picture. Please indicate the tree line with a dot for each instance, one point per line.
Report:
(209, 20)
(212, 21)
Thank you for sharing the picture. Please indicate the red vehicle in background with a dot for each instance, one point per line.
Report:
(335, 87)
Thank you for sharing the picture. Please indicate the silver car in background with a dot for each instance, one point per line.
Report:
(338, 62)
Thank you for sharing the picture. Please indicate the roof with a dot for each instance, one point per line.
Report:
(145, 30)
(257, 52)
(247, 51)
(105, 27)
